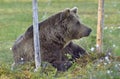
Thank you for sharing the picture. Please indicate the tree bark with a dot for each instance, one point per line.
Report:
(99, 40)
(36, 36)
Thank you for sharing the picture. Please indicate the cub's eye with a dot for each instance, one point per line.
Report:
(78, 23)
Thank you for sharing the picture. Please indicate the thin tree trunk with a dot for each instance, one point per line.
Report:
(99, 40)
(36, 35)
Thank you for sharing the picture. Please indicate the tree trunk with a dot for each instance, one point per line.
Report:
(36, 35)
(99, 40)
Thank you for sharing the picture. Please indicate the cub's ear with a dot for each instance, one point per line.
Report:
(67, 12)
(74, 10)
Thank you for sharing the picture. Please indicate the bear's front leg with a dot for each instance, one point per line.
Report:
(74, 50)
(62, 65)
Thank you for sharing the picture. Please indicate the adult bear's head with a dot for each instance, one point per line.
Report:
(73, 28)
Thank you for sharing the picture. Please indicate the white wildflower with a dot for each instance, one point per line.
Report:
(98, 65)
(114, 45)
(112, 27)
(119, 27)
(22, 59)
(10, 48)
(107, 58)
(119, 64)
(105, 63)
(109, 54)
(109, 72)
(92, 49)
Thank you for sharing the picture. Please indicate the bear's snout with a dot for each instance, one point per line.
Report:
(88, 32)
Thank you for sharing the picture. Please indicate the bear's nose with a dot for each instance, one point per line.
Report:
(90, 30)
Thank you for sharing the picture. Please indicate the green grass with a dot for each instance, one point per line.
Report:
(16, 17)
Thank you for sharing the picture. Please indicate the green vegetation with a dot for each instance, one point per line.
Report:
(16, 17)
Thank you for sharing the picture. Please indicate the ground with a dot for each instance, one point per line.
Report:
(16, 16)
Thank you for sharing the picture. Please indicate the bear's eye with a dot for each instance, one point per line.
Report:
(78, 23)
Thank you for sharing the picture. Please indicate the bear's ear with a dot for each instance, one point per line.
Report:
(67, 12)
(74, 10)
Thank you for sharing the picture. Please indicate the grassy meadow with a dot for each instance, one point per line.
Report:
(16, 17)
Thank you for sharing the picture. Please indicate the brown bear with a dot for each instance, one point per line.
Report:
(56, 34)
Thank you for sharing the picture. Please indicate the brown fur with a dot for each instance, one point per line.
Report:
(55, 34)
